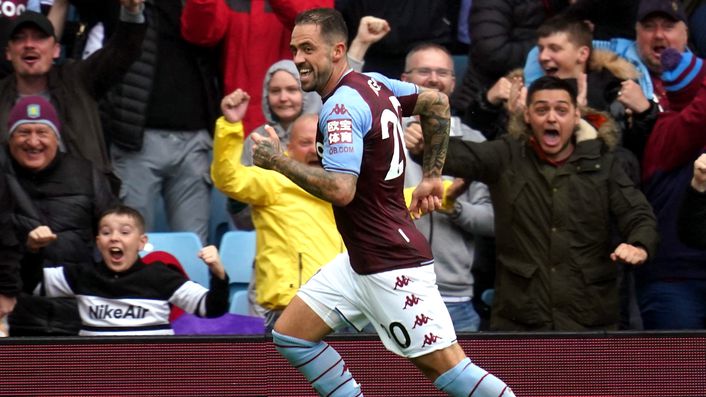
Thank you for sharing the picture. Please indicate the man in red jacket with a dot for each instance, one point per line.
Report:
(253, 36)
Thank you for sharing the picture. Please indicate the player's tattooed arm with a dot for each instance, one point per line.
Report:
(435, 118)
(336, 188)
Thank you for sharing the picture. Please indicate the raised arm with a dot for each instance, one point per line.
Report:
(108, 65)
(204, 22)
(57, 16)
(334, 187)
(370, 30)
(434, 116)
(250, 185)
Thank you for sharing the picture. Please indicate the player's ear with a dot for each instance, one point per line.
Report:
(339, 51)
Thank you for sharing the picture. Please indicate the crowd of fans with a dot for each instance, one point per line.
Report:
(547, 225)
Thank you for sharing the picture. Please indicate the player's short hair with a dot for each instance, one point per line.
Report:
(577, 31)
(330, 22)
(130, 212)
(423, 47)
(551, 83)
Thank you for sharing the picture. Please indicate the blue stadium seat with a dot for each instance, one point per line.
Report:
(239, 303)
(185, 246)
(219, 221)
(237, 251)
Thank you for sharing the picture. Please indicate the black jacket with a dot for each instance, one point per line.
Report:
(691, 223)
(502, 33)
(125, 110)
(75, 87)
(9, 246)
(68, 196)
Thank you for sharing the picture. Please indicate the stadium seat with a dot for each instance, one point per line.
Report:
(237, 251)
(169, 260)
(185, 246)
(238, 254)
(219, 222)
(239, 303)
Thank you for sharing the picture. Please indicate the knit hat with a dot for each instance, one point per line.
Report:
(682, 75)
(34, 110)
(670, 8)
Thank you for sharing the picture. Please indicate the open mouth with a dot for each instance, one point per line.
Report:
(658, 49)
(551, 71)
(30, 58)
(304, 72)
(116, 254)
(551, 137)
(33, 152)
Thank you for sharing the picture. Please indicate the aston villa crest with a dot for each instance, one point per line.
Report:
(33, 111)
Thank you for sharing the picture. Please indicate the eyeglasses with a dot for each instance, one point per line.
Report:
(426, 72)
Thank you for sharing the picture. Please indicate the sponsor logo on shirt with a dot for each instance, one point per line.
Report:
(340, 149)
(339, 131)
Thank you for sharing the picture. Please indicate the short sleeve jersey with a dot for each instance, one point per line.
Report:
(360, 133)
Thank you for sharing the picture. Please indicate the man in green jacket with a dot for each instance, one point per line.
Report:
(558, 193)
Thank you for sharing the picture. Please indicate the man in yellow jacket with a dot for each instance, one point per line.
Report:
(296, 232)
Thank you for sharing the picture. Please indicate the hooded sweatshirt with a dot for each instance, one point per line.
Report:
(311, 103)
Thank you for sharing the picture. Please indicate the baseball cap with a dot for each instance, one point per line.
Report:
(37, 19)
(670, 8)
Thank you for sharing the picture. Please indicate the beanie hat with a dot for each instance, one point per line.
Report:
(682, 75)
(34, 110)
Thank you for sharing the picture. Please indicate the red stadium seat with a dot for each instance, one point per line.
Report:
(171, 261)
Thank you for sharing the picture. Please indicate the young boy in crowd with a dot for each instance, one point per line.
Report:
(121, 295)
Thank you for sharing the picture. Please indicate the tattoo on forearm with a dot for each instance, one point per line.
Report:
(315, 180)
(434, 111)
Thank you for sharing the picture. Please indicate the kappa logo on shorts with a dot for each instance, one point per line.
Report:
(410, 300)
(421, 320)
(402, 281)
(430, 339)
